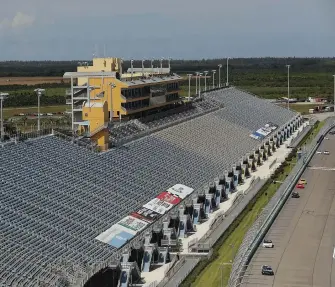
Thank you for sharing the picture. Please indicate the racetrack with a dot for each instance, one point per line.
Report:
(303, 233)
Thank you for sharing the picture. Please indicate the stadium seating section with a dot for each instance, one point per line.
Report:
(56, 197)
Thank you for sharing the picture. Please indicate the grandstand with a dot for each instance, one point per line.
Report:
(58, 199)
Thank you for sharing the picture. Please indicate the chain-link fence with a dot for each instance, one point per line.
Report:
(258, 230)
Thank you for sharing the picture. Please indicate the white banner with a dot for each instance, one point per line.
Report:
(121, 232)
(180, 190)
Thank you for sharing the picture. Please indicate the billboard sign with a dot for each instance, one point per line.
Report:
(264, 131)
(163, 202)
(121, 232)
(146, 215)
(180, 190)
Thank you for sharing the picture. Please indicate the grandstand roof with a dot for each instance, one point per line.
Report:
(56, 197)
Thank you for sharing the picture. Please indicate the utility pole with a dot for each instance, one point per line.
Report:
(206, 72)
(227, 83)
(288, 86)
(200, 74)
(196, 82)
(189, 86)
(39, 93)
(111, 105)
(214, 71)
(220, 66)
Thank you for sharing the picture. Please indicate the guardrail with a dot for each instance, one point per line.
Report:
(260, 227)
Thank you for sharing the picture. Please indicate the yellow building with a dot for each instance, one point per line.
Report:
(99, 65)
(126, 96)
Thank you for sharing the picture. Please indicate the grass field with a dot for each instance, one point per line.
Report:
(215, 273)
(10, 112)
(302, 108)
(5, 81)
(295, 92)
(59, 91)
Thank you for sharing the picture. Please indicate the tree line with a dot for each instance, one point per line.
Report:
(28, 99)
(259, 65)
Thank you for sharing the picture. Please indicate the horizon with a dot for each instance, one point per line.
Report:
(172, 59)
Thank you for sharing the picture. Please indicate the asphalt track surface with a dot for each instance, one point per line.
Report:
(303, 233)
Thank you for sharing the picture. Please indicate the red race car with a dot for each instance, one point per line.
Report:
(299, 185)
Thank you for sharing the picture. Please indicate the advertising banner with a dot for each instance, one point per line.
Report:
(263, 132)
(146, 215)
(116, 236)
(163, 202)
(122, 231)
(180, 190)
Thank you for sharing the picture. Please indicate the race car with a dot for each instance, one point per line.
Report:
(303, 181)
(300, 185)
(268, 243)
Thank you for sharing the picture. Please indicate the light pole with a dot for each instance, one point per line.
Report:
(288, 86)
(111, 112)
(196, 82)
(3, 96)
(152, 66)
(227, 83)
(220, 66)
(169, 64)
(213, 71)
(206, 72)
(39, 93)
(143, 68)
(334, 93)
(189, 86)
(200, 74)
(131, 68)
(161, 61)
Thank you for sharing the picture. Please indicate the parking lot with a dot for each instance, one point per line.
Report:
(304, 232)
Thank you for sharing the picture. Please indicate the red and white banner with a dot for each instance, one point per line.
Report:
(163, 202)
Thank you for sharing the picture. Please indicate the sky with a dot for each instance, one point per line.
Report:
(186, 29)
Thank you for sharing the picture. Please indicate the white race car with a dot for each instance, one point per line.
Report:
(319, 152)
(326, 152)
(268, 243)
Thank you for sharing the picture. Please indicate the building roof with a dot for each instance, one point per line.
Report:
(152, 80)
(156, 70)
(89, 74)
(57, 197)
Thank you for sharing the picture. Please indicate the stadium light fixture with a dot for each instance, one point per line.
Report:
(200, 74)
(111, 112)
(196, 82)
(206, 73)
(288, 86)
(213, 71)
(39, 93)
(227, 83)
(3, 96)
(220, 66)
(189, 86)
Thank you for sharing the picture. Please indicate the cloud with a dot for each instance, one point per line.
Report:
(20, 20)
